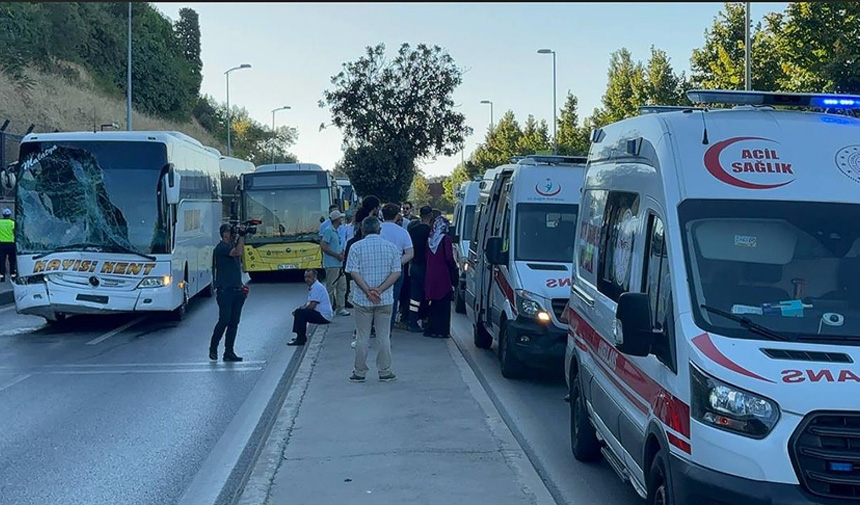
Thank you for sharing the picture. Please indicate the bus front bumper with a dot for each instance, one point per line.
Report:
(48, 300)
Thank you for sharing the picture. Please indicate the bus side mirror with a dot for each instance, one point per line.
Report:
(495, 256)
(172, 189)
(633, 330)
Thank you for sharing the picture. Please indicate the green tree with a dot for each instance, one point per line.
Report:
(188, 33)
(500, 145)
(719, 64)
(625, 90)
(400, 111)
(460, 175)
(662, 85)
(535, 137)
(818, 45)
(419, 191)
(573, 140)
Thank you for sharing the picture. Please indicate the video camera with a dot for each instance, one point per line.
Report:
(249, 227)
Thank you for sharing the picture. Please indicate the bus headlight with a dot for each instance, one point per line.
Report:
(728, 408)
(156, 282)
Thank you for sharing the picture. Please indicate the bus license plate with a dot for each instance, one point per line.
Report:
(287, 266)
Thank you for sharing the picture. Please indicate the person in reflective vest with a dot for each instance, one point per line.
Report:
(7, 245)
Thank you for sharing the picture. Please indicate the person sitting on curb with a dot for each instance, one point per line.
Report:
(317, 310)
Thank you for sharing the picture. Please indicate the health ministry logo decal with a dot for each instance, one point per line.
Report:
(548, 188)
(753, 163)
(848, 161)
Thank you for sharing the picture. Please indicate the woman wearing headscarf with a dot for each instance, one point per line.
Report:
(438, 286)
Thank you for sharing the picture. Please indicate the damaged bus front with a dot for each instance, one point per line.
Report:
(105, 225)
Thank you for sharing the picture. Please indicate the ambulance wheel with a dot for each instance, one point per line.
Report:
(660, 490)
(512, 367)
(583, 440)
(460, 306)
(483, 339)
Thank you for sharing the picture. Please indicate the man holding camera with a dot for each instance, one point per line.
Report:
(230, 292)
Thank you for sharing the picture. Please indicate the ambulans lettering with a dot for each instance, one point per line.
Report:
(751, 165)
(85, 266)
(823, 375)
(560, 283)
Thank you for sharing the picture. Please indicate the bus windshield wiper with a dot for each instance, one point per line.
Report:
(748, 324)
(124, 249)
(70, 247)
(94, 248)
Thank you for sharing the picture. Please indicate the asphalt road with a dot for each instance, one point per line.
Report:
(538, 415)
(124, 409)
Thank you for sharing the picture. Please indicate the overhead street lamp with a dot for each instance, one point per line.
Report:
(285, 107)
(491, 111)
(230, 112)
(554, 108)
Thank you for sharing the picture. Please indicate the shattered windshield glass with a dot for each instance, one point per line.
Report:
(287, 213)
(101, 194)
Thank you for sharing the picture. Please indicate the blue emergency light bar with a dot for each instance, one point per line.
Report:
(820, 100)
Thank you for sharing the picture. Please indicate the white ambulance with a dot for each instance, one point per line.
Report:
(715, 308)
(464, 221)
(518, 278)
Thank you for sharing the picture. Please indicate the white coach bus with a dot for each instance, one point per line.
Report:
(113, 222)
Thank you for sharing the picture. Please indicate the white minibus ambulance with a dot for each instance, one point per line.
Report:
(518, 279)
(464, 221)
(715, 307)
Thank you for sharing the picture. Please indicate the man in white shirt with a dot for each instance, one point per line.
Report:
(375, 266)
(398, 236)
(317, 310)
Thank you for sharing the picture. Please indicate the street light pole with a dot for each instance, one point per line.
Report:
(491, 112)
(554, 107)
(747, 51)
(128, 76)
(285, 107)
(230, 112)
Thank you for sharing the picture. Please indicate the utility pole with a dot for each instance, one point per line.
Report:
(747, 49)
(128, 77)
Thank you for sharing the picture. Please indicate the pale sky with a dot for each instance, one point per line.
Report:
(295, 49)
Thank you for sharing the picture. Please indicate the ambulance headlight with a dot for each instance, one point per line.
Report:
(155, 282)
(728, 408)
(529, 306)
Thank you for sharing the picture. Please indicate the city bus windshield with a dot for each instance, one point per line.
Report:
(288, 214)
(97, 194)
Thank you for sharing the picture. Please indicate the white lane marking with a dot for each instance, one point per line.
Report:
(7, 309)
(175, 370)
(99, 340)
(14, 381)
(154, 365)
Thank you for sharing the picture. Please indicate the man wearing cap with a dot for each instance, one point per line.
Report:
(332, 246)
(7, 245)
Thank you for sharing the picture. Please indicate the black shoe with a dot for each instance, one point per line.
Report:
(213, 354)
(232, 357)
(441, 336)
(349, 305)
(297, 341)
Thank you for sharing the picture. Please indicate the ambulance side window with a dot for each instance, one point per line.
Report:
(506, 228)
(473, 244)
(587, 250)
(656, 282)
(616, 251)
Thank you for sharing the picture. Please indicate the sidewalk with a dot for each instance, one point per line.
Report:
(430, 437)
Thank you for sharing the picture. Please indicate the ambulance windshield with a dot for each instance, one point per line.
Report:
(545, 232)
(792, 267)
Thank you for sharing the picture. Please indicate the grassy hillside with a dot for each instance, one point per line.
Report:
(75, 103)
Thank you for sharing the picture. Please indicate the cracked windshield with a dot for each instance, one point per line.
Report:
(516, 253)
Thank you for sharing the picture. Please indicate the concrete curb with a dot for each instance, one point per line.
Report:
(516, 456)
(222, 476)
(512, 429)
(259, 485)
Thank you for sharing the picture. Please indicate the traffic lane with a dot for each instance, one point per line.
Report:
(537, 407)
(130, 420)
